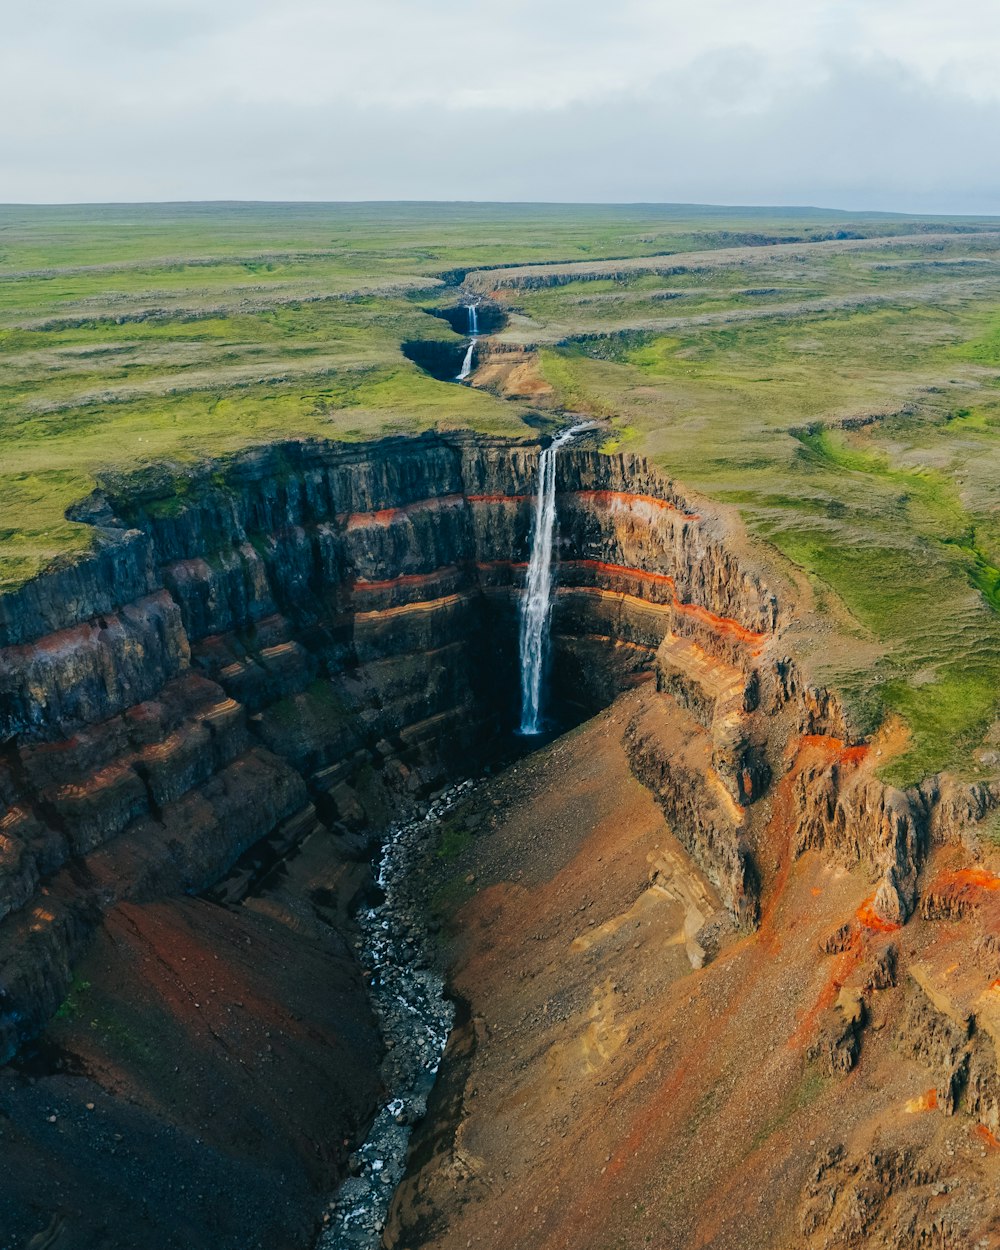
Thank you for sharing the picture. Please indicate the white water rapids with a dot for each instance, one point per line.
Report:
(407, 994)
(536, 602)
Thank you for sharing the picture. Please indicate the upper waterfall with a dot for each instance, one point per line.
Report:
(466, 368)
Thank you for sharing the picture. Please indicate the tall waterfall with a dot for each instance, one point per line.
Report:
(466, 368)
(536, 603)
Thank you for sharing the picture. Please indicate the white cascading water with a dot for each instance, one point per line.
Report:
(466, 368)
(536, 603)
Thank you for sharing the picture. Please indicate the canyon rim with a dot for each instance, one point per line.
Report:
(499, 734)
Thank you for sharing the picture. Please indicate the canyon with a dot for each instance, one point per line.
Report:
(265, 659)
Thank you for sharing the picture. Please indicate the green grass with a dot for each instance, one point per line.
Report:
(893, 526)
(131, 336)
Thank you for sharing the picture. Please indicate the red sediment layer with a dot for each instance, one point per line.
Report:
(405, 579)
(605, 497)
(498, 498)
(868, 921)
(780, 828)
(620, 570)
(780, 831)
(723, 624)
(844, 965)
(386, 516)
(835, 748)
(620, 496)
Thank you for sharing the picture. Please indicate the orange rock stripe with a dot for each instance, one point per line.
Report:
(616, 496)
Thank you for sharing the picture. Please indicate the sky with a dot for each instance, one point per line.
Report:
(877, 104)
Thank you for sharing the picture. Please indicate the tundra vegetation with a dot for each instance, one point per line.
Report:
(841, 393)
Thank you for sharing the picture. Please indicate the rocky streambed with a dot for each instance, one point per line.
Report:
(415, 1018)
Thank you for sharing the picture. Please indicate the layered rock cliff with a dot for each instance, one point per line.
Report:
(279, 650)
(250, 640)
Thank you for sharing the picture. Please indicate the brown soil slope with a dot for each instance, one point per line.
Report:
(635, 1071)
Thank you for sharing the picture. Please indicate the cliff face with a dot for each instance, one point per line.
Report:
(248, 642)
(276, 652)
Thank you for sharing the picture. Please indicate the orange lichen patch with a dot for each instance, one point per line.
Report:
(815, 891)
(386, 516)
(498, 498)
(967, 879)
(617, 497)
(985, 1136)
(926, 1101)
(835, 748)
(869, 918)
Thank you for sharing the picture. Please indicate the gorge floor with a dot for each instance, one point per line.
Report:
(609, 1088)
(292, 647)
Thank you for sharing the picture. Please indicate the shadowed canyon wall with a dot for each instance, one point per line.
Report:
(278, 651)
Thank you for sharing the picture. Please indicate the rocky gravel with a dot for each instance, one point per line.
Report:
(415, 1018)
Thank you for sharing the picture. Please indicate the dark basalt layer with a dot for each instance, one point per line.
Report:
(264, 659)
(489, 317)
(441, 360)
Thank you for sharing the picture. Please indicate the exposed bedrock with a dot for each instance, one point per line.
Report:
(279, 650)
(490, 316)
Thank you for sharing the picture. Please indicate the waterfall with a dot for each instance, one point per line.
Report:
(536, 603)
(466, 368)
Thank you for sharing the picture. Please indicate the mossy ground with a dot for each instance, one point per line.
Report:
(861, 445)
(134, 335)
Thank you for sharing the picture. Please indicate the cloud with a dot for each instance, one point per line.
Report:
(880, 103)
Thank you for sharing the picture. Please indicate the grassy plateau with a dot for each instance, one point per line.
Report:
(833, 377)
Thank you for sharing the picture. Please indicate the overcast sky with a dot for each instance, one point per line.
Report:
(889, 104)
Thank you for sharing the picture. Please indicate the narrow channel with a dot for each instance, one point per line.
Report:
(415, 1018)
(407, 992)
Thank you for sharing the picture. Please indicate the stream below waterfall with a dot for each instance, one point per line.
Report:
(407, 992)
(415, 1018)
